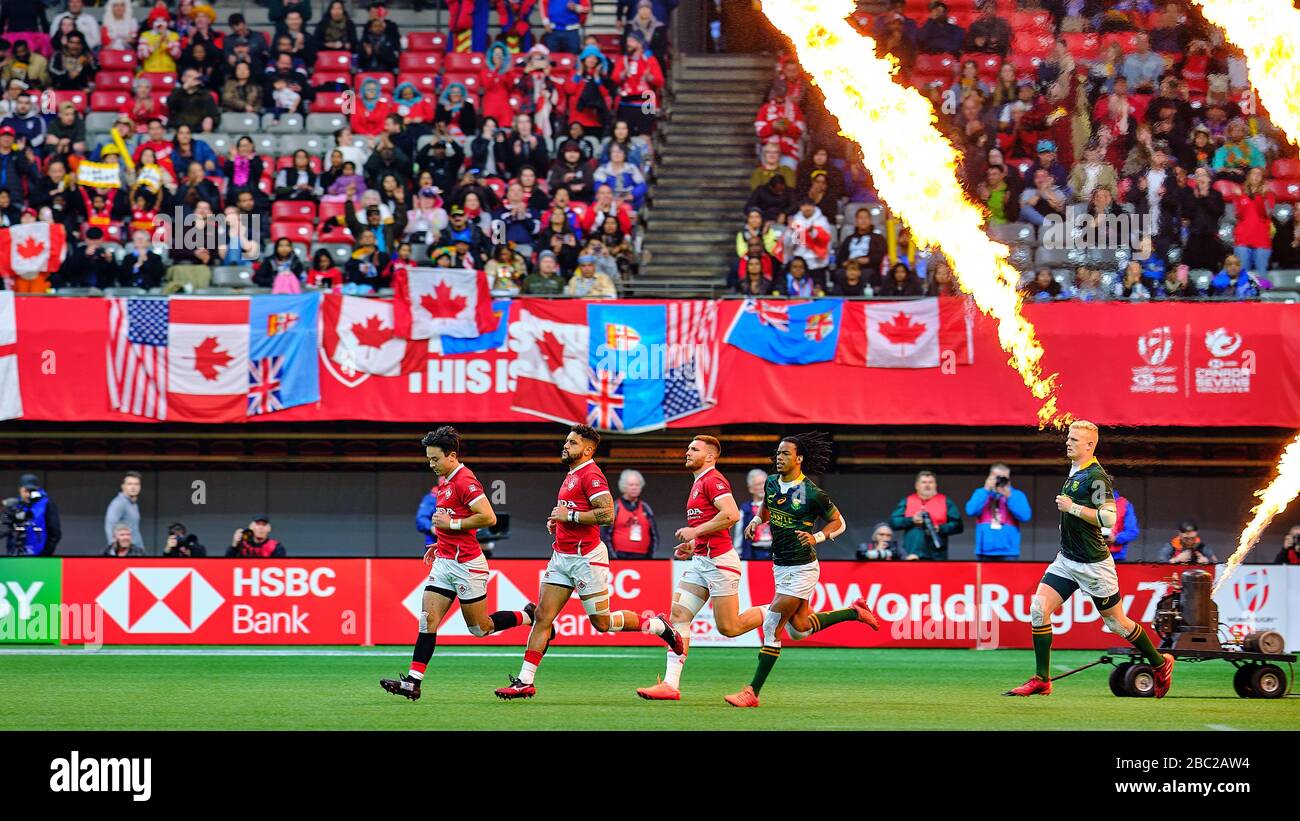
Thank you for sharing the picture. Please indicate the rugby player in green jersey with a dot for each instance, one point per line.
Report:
(1087, 504)
(792, 505)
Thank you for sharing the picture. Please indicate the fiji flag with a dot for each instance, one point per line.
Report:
(788, 333)
(282, 367)
(626, 380)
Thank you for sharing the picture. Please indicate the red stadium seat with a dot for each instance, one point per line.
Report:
(1026, 64)
(1030, 43)
(334, 61)
(1229, 189)
(497, 186)
(113, 80)
(80, 100)
(111, 60)
(608, 42)
(330, 210)
(467, 61)
(109, 100)
(515, 102)
(286, 161)
(334, 233)
(1024, 165)
(471, 80)
(426, 41)
(1286, 169)
(293, 211)
(331, 103)
(159, 81)
(426, 83)
(385, 80)
(1082, 45)
(425, 62)
(322, 77)
(112, 232)
(568, 62)
(986, 65)
(293, 231)
(1285, 190)
(1039, 22)
(935, 64)
(266, 184)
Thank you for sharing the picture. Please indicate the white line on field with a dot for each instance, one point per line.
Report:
(1221, 727)
(186, 651)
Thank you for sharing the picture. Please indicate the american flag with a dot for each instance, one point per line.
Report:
(137, 356)
(692, 380)
(264, 385)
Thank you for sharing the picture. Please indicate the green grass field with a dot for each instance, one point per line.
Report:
(593, 689)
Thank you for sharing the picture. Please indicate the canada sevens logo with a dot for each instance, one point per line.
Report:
(1251, 590)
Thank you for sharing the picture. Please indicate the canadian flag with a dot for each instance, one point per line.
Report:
(434, 302)
(358, 337)
(551, 363)
(207, 360)
(11, 398)
(909, 334)
(31, 248)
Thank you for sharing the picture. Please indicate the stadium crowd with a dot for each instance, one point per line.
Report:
(358, 148)
(1127, 110)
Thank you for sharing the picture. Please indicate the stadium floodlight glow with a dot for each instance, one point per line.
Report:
(1268, 32)
(915, 171)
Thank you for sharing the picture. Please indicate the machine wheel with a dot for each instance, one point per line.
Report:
(1140, 681)
(1268, 681)
(1117, 679)
(1241, 680)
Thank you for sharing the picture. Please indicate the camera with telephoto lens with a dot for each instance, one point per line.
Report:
(14, 522)
(1001, 482)
(931, 530)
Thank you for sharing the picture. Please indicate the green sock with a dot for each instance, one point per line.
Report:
(820, 621)
(1141, 639)
(1042, 652)
(767, 657)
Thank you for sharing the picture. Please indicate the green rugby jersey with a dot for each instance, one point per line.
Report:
(790, 512)
(1090, 486)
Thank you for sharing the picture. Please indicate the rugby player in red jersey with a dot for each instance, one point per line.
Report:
(715, 566)
(580, 562)
(459, 568)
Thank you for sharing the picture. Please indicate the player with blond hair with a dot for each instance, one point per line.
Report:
(1087, 504)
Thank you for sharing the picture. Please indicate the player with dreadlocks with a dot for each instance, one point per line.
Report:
(792, 505)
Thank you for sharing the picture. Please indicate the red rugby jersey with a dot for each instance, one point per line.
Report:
(580, 486)
(709, 486)
(455, 495)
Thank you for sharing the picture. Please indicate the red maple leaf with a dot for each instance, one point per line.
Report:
(373, 333)
(552, 350)
(30, 248)
(208, 359)
(444, 305)
(902, 330)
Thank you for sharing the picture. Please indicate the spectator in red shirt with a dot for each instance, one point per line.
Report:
(590, 93)
(640, 80)
(1251, 239)
(371, 109)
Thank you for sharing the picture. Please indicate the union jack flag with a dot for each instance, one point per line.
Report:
(604, 400)
(264, 385)
(775, 314)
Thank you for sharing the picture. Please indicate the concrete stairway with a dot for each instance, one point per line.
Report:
(702, 179)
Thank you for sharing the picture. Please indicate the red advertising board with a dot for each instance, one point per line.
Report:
(397, 587)
(222, 601)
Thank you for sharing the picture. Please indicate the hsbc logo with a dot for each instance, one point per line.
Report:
(1251, 590)
(160, 600)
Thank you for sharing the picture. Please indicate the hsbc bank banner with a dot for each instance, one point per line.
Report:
(222, 601)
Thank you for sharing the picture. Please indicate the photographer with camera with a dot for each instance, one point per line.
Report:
(1187, 547)
(255, 542)
(882, 546)
(181, 544)
(123, 546)
(1290, 552)
(998, 509)
(30, 521)
(926, 518)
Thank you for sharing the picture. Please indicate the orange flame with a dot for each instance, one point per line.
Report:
(915, 170)
(1268, 32)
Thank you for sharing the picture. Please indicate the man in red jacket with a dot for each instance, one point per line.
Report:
(639, 80)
